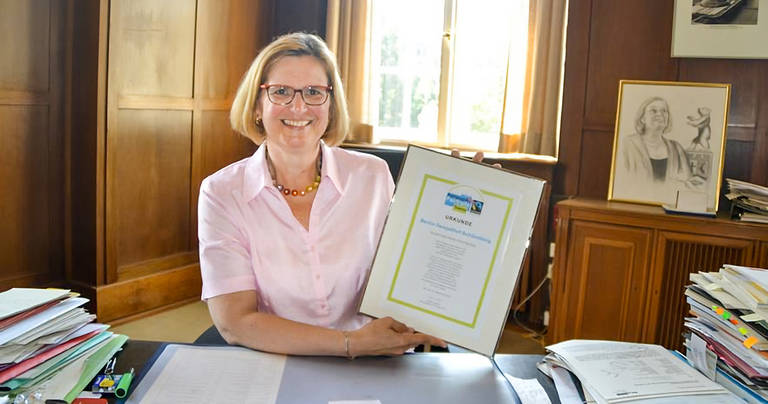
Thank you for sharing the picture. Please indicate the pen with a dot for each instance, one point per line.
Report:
(124, 385)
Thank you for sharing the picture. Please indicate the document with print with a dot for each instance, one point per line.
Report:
(450, 254)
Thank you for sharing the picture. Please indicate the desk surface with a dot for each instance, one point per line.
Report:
(384, 378)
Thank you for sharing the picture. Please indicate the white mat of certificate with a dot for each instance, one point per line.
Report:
(452, 247)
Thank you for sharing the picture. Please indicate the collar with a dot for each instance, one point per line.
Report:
(257, 176)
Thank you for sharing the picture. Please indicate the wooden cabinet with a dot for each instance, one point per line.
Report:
(620, 268)
(152, 83)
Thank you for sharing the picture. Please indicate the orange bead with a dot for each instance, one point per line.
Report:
(294, 192)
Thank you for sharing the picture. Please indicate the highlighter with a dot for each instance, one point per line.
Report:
(125, 383)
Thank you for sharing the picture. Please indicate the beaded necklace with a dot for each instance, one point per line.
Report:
(296, 192)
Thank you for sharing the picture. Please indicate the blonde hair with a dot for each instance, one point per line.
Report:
(241, 115)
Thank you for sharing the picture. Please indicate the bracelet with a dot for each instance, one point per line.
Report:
(346, 345)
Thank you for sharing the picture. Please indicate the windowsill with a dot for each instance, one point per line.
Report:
(517, 157)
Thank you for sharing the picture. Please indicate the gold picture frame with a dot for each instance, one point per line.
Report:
(669, 143)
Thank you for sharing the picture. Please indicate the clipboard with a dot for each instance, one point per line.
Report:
(453, 244)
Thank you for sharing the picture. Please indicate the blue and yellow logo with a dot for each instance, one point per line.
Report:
(463, 203)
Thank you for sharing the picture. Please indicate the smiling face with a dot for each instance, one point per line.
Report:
(656, 116)
(296, 127)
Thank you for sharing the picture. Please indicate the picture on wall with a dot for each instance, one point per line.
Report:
(669, 143)
(720, 29)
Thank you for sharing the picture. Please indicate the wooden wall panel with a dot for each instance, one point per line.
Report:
(156, 47)
(642, 52)
(221, 146)
(86, 139)
(228, 39)
(24, 229)
(150, 184)
(31, 131)
(299, 15)
(598, 149)
(25, 45)
(738, 159)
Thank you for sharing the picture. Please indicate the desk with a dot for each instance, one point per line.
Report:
(389, 379)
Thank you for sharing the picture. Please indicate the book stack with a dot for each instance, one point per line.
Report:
(592, 371)
(727, 333)
(749, 202)
(50, 348)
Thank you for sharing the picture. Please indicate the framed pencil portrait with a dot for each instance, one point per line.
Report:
(669, 144)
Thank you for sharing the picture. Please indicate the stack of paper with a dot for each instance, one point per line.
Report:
(618, 372)
(46, 334)
(727, 336)
(749, 202)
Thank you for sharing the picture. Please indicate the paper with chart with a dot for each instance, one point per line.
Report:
(451, 250)
(211, 374)
(621, 371)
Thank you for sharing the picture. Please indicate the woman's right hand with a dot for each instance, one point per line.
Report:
(387, 336)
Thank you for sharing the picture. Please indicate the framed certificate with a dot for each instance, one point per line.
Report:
(450, 254)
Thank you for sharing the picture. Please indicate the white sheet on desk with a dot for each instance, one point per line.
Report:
(211, 374)
(529, 391)
(566, 389)
(39, 319)
(17, 300)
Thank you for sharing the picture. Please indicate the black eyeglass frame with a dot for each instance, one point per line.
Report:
(328, 90)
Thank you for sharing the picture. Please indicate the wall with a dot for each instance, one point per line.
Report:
(31, 140)
(299, 15)
(611, 40)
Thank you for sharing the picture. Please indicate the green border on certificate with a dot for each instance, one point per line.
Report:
(490, 268)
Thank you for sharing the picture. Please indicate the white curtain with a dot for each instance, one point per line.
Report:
(541, 102)
(348, 36)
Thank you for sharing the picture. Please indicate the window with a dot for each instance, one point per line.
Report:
(447, 72)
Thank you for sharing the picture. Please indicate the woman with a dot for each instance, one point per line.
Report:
(647, 154)
(288, 234)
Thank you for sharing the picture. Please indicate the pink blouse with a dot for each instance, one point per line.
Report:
(250, 240)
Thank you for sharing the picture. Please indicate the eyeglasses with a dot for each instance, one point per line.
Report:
(283, 95)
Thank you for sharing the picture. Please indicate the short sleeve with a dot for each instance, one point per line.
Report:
(225, 259)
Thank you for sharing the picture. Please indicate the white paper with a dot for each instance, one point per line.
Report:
(622, 371)
(757, 275)
(701, 357)
(197, 374)
(17, 300)
(529, 391)
(446, 270)
(567, 391)
(691, 200)
(40, 319)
